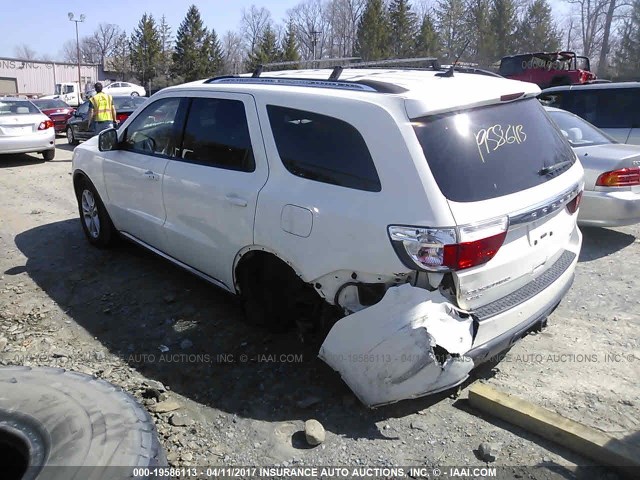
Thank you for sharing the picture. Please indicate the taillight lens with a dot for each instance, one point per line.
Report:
(444, 249)
(121, 117)
(46, 124)
(574, 204)
(624, 177)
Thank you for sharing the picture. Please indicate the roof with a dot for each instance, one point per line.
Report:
(424, 91)
(593, 86)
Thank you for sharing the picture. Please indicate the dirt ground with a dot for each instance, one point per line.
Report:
(162, 334)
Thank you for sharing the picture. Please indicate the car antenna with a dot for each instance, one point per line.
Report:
(449, 73)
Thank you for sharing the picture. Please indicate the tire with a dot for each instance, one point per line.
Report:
(77, 423)
(135, 94)
(71, 138)
(49, 155)
(96, 223)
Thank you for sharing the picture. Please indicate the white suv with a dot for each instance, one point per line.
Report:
(428, 219)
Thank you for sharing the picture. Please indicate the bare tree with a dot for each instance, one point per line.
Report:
(25, 52)
(104, 39)
(233, 52)
(313, 28)
(70, 52)
(591, 14)
(254, 22)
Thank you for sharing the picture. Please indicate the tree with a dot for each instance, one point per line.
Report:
(290, 45)
(25, 52)
(145, 50)
(403, 29)
(254, 22)
(481, 31)
(120, 59)
(233, 53)
(628, 55)
(428, 42)
(537, 31)
(166, 48)
(504, 23)
(104, 39)
(197, 53)
(373, 32)
(266, 50)
(452, 28)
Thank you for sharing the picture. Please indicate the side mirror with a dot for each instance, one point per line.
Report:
(108, 140)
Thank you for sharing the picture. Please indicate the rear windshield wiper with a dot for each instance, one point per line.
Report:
(553, 168)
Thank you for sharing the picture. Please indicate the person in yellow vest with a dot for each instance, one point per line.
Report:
(101, 110)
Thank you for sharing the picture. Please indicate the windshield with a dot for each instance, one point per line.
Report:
(17, 107)
(492, 151)
(577, 131)
(128, 103)
(50, 104)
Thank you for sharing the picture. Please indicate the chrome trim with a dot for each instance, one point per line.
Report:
(200, 274)
(545, 208)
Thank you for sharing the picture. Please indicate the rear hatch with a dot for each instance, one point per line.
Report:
(511, 181)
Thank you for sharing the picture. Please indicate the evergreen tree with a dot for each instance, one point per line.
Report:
(373, 32)
(537, 31)
(166, 41)
(403, 29)
(627, 58)
(504, 23)
(290, 46)
(481, 34)
(266, 50)
(428, 42)
(197, 53)
(451, 26)
(145, 50)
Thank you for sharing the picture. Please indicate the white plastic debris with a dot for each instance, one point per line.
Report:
(387, 352)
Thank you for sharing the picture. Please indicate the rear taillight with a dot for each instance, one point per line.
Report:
(121, 117)
(46, 124)
(444, 249)
(573, 205)
(624, 177)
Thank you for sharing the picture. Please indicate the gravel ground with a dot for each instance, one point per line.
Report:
(225, 394)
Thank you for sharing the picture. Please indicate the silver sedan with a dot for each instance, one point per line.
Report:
(612, 173)
(25, 129)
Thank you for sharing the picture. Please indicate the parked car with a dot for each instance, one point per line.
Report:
(419, 214)
(124, 88)
(58, 111)
(612, 173)
(25, 129)
(78, 127)
(612, 107)
(547, 69)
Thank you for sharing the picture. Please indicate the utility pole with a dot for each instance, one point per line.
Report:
(314, 42)
(81, 19)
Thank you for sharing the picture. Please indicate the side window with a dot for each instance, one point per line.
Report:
(607, 108)
(323, 148)
(84, 108)
(217, 135)
(68, 89)
(554, 99)
(512, 66)
(154, 130)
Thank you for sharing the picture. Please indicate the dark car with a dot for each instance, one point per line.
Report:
(78, 127)
(547, 69)
(57, 110)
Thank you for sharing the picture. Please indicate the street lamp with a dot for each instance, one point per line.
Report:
(81, 19)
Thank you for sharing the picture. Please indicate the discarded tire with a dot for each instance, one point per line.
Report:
(56, 424)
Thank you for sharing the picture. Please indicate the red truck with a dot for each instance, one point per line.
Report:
(547, 69)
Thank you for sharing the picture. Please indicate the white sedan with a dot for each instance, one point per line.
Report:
(124, 88)
(25, 129)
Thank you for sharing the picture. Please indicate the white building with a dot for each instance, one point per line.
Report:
(33, 77)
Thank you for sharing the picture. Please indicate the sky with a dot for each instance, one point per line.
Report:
(44, 25)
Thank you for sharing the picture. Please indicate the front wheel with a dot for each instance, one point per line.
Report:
(135, 94)
(71, 138)
(96, 223)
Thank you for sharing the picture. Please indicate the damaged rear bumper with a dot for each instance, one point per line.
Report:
(414, 343)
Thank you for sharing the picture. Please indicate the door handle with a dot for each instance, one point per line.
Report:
(150, 175)
(235, 200)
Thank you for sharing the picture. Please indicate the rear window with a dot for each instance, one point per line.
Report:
(17, 107)
(128, 103)
(50, 104)
(606, 107)
(492, 151)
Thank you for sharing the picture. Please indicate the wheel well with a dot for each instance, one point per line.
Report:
(259, 260)
(77, 177)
